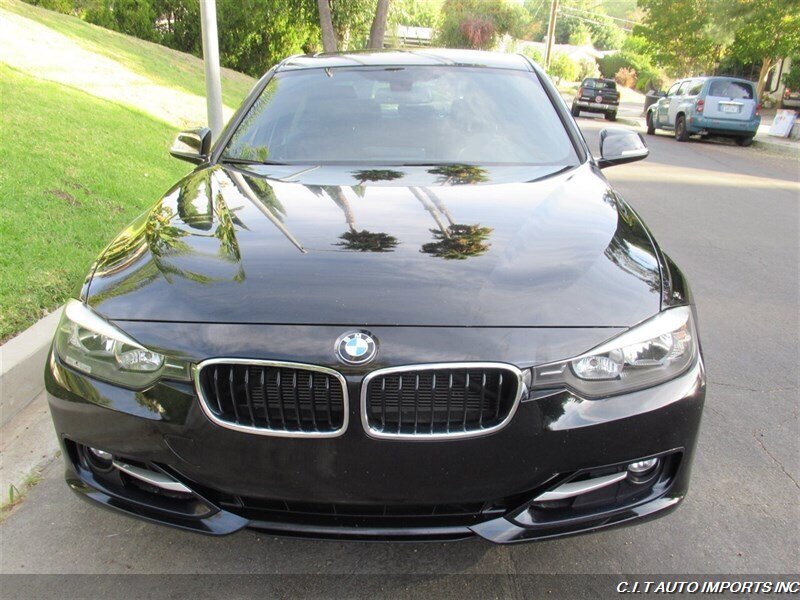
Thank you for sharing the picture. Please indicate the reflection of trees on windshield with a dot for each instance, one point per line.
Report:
(458, 242)
(353, 239)
(239, 147)
(459, 174)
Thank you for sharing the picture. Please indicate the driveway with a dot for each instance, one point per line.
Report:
(729, 217)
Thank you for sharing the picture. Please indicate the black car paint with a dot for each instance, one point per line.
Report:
(206, 274)
(561, 250)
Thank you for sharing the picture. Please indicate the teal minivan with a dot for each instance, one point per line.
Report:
(708, 106)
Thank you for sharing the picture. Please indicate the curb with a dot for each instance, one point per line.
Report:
(22, 360)
(27, 439)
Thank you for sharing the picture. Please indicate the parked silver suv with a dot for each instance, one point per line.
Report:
(708, 106)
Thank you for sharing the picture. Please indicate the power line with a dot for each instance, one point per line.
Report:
(597, 14)
(586, 20)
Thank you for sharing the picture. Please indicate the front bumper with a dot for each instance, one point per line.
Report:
(357, 487)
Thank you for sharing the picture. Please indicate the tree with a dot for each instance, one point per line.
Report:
(684, 35)
(134, 17)
(346, 23)
(416, 13)
(378, 30)
(580, 36)
(326, 26)
(766, 31)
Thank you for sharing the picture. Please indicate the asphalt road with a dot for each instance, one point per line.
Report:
(729, 218)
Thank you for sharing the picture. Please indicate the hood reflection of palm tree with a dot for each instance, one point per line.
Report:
(266, 201)
(460, 174)
(461, 242)
(453, 241)
(376, 175)
(353, 239)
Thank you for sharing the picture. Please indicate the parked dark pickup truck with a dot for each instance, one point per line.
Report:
(597, 96)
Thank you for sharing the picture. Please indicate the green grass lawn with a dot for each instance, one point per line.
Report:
(158, 63)
(74, 170)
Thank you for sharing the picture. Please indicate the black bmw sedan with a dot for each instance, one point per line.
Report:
(395, 299)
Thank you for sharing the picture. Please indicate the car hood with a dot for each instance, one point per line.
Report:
(455, 245)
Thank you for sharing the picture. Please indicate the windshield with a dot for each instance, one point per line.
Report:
(403, 115)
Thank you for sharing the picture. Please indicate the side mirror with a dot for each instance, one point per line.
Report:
(619, 146)
(193, 145)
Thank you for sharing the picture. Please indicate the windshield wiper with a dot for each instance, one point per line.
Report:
(246, 161)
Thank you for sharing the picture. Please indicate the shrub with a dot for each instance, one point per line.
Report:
(650, 79)
(535, 55)
(626, 77)
(792, 78)
(563, 68)
(478, 23)
(587, 68)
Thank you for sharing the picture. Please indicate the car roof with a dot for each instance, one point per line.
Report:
(713, 77)
(426, 57)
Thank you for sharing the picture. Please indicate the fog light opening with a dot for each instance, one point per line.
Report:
(97, 460)
(641, 468)
(101, 454)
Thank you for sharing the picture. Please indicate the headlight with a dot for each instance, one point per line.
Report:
(90, 344)
(655, 351)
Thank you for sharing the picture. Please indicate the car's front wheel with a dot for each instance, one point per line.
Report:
(744, 141)
(611, 116)
(681, 132)
(651, 126)
(575, 111)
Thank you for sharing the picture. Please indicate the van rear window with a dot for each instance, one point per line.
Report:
(737, 90)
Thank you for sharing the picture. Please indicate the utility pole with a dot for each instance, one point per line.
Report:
(208, 23)
(551, 33)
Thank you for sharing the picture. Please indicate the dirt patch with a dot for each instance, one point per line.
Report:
(65, 196)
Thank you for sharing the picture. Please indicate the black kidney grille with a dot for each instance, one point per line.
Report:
(274, 398)
(440, 401)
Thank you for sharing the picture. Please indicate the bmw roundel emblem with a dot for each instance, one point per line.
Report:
(356, 348)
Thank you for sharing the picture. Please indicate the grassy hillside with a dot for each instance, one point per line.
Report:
(160, 64)
(75, 168)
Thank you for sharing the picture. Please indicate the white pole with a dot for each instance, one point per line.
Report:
(208, 23)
